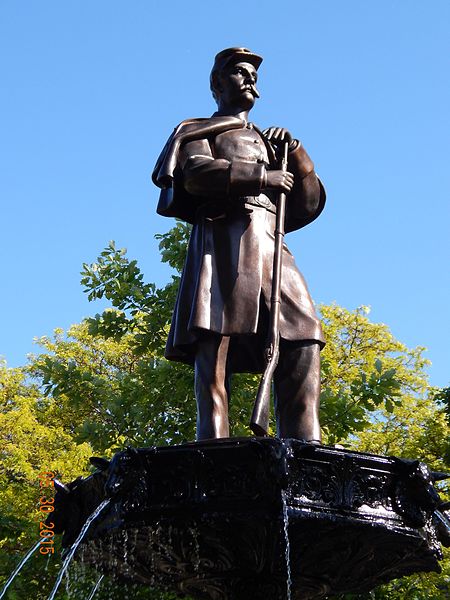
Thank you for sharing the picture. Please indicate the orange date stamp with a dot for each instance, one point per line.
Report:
(46, 527)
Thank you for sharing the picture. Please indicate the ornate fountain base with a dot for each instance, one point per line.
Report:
(257, 518)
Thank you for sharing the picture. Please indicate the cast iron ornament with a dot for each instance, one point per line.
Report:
(214, 519)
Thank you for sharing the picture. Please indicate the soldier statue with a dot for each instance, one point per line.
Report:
(222, 175)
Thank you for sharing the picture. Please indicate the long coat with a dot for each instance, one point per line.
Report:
(212, 174)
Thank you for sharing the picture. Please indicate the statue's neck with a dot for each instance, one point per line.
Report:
(232, 112)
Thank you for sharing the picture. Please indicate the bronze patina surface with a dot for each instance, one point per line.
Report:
(223, 175)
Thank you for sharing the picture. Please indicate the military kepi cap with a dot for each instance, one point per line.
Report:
(234, 55)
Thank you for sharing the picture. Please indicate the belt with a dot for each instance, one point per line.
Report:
(263, 201)
(213, 211)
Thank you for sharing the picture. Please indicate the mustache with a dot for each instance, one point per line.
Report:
(253, 90)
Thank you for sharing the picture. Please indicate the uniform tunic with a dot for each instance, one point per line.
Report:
(226, 282)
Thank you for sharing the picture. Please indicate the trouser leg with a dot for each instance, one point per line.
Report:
(212, 384)
(297, 390)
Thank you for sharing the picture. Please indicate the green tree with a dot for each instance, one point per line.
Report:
(107, 392)
(30, 445)
(364, 370)
(364, 367)
(38, 435)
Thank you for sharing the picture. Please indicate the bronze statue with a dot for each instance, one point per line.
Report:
(222, 174)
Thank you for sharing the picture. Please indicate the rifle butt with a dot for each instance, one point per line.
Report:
(259, 423)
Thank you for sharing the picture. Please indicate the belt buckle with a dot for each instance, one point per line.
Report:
(263, 201)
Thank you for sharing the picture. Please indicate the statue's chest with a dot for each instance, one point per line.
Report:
(242, 144)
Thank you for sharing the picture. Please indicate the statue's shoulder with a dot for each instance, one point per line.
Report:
(187, 131)
(190, 125)
(204, 127)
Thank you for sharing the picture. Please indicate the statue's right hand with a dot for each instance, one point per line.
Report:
(280, 180)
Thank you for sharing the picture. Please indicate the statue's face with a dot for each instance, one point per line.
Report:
(237, 85)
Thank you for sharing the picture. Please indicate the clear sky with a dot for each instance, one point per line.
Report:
(91, 90)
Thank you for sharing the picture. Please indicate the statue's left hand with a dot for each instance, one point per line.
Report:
(277, 135)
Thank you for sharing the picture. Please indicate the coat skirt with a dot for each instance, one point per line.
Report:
(226, 288)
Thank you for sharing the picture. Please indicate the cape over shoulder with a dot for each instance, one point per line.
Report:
(174, 200)
(186, 131)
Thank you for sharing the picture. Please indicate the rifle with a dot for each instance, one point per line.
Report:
(259, 422)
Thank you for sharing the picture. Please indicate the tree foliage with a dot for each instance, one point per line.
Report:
(364, 369)
(363, 366)
(30, 443)
(104, 384)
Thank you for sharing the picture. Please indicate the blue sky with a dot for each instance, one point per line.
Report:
(91, 90)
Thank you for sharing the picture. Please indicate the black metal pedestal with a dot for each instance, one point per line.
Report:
(262, 518)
